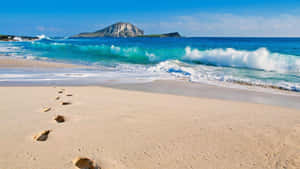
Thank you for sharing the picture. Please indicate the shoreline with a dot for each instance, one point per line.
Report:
(148, 125)
(8, 62)
(240, 92)
(197, 90)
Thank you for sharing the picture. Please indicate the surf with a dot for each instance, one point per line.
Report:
(257, 62)
(260, 58)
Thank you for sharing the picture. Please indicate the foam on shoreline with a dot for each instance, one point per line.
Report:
(22, 71)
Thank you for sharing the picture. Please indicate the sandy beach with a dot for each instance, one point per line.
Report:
(8, 62)
(121, 129)
(139, 85)
(162, 124)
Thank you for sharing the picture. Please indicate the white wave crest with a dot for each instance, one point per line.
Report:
(151, 56)
(43, 37)
(18, 39)
(258, 59)
(215, 75)
(173, 67)
(58, 44)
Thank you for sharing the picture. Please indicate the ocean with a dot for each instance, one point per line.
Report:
(262, 62)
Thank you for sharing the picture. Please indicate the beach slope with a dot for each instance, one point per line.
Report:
(121, 129)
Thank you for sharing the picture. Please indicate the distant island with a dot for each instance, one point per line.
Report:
(122, 29)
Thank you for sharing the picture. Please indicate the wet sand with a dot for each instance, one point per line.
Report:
(8, 62)
(249, 94)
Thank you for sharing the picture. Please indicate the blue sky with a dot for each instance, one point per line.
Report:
(191, 18)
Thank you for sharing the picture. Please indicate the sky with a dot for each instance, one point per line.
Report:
(221, 18)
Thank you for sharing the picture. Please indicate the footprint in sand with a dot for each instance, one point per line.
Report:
(61, 91)
(66, 103)
(57, 98)
(69, 95)
(85, 163)
(59, 119)
(43, 136)
(46, 109)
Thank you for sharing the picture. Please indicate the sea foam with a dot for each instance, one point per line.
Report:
(131, 61)
(215, 75)
(258, 59)
(40, 37)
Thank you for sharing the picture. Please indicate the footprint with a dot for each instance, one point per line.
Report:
(59, 119)
(65, 103)
(57, 98)
(69, 95)
(61, 91)
(46, 109)
(85, 163)
(43, 136)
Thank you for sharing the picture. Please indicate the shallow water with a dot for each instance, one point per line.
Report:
(253, 61)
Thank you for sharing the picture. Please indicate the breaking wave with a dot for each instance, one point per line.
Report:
(258, 67)
(258, 59)
(261, 58)
(213, 75)
(40, 37)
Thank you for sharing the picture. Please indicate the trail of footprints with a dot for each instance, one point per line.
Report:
(79, 162)
(43, 136)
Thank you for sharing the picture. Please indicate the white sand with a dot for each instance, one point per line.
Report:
(7, 62)
(122, 129)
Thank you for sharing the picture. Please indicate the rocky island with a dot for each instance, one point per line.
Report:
(119, 29)
(122, 29)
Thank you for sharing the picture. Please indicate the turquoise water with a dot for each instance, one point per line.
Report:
(257, 61)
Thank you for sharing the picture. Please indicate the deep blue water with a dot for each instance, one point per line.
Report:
(261, 61)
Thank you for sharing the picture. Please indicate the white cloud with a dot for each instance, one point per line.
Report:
(40, 28)
(48, 29)
(205, 24)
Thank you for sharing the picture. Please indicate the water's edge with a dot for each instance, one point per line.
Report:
(184, 88)
(231, 62)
